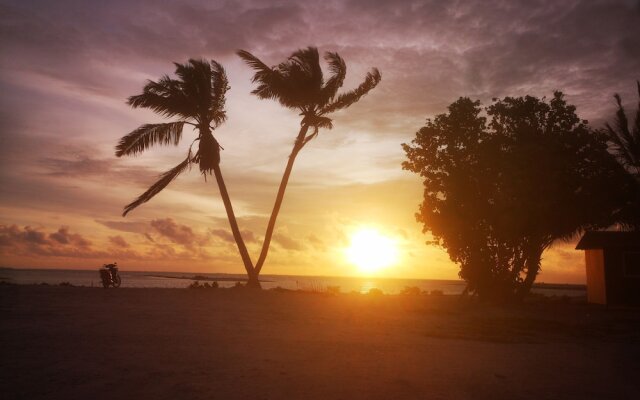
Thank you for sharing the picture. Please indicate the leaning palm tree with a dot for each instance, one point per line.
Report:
(298, 83)
(624, 140)
(196, 98)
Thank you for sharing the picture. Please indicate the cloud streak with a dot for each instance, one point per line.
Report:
(34, 241)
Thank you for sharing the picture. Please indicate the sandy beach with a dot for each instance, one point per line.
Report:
(78, 343)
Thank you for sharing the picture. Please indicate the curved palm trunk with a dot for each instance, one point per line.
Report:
(246, 260)
(276, 207)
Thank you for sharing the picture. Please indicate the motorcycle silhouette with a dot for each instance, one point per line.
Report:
(109, 275)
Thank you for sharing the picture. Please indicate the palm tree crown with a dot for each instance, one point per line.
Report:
(298, 83)
(625, 140)
(196, 98)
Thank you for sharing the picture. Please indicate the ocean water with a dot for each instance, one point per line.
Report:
(140, 279)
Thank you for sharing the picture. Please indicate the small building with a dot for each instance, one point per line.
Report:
(613, 267)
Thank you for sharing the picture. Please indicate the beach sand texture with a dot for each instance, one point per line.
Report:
(90, 343)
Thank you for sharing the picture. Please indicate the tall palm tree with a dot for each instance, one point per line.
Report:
(298, 83)
(625, 140)
(196, 98)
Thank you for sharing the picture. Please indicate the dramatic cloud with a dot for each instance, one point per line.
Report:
(119, 241)
(80, 166)
(10, 235)
(177, 233)
(316, 242)
(180, 234)
(287, 242)
(223, 234)
(227, 236)
(126, 226)
(65, 237)
(34, 241)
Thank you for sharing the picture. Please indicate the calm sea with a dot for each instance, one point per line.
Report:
(138, 279)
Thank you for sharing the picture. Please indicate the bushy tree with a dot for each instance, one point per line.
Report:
(500, 189)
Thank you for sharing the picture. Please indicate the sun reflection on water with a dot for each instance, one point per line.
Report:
(367, 286)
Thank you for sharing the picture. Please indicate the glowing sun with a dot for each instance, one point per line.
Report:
(370, 251)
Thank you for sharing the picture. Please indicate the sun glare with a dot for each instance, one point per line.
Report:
(370, 251)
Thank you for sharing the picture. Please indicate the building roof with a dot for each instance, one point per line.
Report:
(607, 239)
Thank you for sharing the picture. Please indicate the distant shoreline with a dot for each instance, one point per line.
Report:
(233, 277)
(203, 278)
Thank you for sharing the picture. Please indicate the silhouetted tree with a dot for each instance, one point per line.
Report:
(196, 98)
(498, 192)
(298, 83)
(624, 144)
(624, 139)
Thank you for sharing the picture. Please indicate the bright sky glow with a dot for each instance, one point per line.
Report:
(371, 252)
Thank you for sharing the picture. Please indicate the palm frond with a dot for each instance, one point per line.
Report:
(268, 79)
(617, 138)
(622, 123)
(317, 121)
(157, 187)
(346, 99)
(255, 63)
(302, 80)
(165, 97)
(217, 117)
(219, 88)
(338, 70)
(148, 135)
(625, 142)
(195, 85)
(307, 62)
(295, 83)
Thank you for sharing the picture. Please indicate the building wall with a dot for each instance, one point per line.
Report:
(596, 288)
(622, 288)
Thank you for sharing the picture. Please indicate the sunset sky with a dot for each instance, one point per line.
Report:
(66, 68)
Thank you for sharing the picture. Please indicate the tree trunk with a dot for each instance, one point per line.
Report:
(276, 207)
(248, 266)
(533, 258)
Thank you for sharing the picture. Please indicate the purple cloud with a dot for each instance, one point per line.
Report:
(119, 241)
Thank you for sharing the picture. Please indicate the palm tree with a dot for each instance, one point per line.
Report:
(624, 145)
(625, 141)
(298, 83)
(196, 98)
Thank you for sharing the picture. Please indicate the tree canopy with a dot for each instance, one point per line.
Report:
(502, 183)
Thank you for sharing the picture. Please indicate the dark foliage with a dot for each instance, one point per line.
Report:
(625, 137)
(624, 144)
(157, 187)
(499, 190)
(148, 134)
(197, 97)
